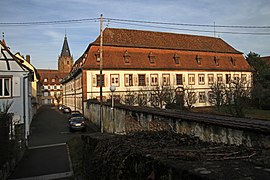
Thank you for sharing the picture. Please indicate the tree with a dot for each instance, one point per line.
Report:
(58, 97)
(130, 97)
(261, 81)
(190, 97)
(162, 96)
(217, 94)
(237, 97)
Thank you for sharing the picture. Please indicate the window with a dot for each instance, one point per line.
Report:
(198, 59)
(97, 54)
(45, 80)
(115, 80)
(191, 79)
(166, 79)
(210, 79)
(55, 87)
(67, 62)
(233, 61)
(126, 57)
(220, 78)
(228, 78)
(100, 80)
(151, 57)
(154, 79)
(49, 87)
(142, 80)
(176, 58)
(201, 79)
(216, 59)
(179, 79)
(202, 98)
(244, 78)
(128, 80)
(5, 87)
(53, 80)
(236, 77)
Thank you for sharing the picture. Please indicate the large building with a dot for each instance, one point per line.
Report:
(52, 88)
(138, 61)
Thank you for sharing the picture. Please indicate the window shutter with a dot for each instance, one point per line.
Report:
(135, 79)
(17, 86)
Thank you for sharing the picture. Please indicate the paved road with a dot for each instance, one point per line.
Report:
(47, 156)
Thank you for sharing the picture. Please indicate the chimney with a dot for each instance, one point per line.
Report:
(27, 58)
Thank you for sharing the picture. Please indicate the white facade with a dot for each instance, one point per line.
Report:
(15, 88)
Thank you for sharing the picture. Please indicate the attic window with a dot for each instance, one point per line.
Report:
(97, 54)
(233, 61)
(198, 59)
(216, 59)
(176, 58)
(151, 57)
(126, 57)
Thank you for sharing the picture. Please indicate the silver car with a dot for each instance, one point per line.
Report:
(77, 123)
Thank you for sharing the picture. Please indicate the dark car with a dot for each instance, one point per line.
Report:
(75, 114)
(77, 123)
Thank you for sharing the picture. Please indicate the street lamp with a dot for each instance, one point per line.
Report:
(112, 89)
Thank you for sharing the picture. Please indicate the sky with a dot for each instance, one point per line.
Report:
(44, 42)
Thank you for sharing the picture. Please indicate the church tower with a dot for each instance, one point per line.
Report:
(65, 60)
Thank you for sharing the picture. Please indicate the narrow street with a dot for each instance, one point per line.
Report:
(47, 156)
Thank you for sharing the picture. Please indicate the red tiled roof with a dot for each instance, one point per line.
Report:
(113, 58)
(51, 74)
(266, 59)
(161, 40)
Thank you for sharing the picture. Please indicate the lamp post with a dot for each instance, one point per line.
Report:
(112, 89)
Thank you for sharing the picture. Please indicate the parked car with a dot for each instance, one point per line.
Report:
(75, 114)
(77, 123)
(60, 107)
(66, 109)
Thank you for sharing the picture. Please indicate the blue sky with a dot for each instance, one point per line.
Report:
(44, 42)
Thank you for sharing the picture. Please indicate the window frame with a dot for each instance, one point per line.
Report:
(116, 84)
(128, 81)
(179, 79)
(139, 80)
(98, 80)
(213, 79)
(3, 88)
(167, 77)
(155, 76)
(204, 97)
(199, 79)
(191, 82)
(219, 76)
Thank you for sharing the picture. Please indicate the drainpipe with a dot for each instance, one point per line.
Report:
(26, 132)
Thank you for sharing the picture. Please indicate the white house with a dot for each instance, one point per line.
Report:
(135, 60)
(15, 87)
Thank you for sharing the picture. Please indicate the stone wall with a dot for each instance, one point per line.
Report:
(126, 119)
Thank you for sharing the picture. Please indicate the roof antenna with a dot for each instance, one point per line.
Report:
(65, 33)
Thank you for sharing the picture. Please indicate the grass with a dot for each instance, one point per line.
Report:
(76, 154)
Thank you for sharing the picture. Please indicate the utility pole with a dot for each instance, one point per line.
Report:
(100, 74)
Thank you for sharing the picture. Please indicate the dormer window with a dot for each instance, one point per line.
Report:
(233, 61)
(198, 59)
(151, 57)
(216, 59)
(126, 57)
(97, 54)
(176, 58)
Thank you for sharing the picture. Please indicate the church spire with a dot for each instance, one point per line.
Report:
(65, 49)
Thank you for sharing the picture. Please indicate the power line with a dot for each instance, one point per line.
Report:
(71, 21)
(186, 24)
(193, 30)
(152, 24)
